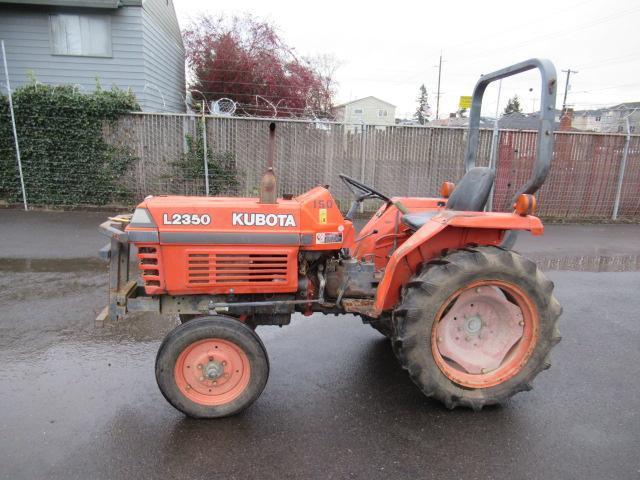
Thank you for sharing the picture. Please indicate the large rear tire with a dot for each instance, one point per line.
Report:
(212, 367)
(383, 325)
(476, 326)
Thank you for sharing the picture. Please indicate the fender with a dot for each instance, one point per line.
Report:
(449, 230)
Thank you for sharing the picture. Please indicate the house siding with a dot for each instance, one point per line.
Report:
(369, 106)
(25, 31)
(147, 53)
(164, 57)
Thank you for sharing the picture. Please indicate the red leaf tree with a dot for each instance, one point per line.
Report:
(244, 59)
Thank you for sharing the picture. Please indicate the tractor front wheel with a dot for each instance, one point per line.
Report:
(476, 326)
(212, 367)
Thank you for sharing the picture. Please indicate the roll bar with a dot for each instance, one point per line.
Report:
(544, 151)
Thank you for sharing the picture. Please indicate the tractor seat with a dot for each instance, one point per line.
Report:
(416, 220)
(470, 195)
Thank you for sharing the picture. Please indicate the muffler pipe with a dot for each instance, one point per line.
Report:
(268, 190)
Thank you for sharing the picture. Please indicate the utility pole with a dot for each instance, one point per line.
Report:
(438, 95)
(566, 87)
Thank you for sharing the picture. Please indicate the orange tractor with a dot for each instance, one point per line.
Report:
(471, 321)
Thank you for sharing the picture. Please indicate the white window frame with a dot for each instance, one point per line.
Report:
(383, 113)
(107, 54)
(358, 111)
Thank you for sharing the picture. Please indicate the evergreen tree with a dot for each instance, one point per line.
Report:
(422, 112)
(513, 105)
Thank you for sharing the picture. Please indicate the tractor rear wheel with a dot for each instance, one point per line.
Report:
(383, 325)
(476, 326)
(212, 367)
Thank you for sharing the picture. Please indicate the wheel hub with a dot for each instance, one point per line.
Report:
(213, 370)
(479, 330)
(473, 325)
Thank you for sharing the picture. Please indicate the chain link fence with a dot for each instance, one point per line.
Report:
(590, 172)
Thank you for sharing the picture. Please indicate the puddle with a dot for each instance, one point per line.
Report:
(52, 265)
(589, 263)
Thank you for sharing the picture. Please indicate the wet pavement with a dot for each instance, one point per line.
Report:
(81, 402)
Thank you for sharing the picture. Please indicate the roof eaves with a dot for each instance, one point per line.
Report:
(363, 98)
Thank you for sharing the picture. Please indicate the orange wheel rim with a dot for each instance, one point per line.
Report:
(485, 333)
(212, 372)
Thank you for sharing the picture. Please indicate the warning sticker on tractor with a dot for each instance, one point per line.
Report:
(329, 237)
(322, 215)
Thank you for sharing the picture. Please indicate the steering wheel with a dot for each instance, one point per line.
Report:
(362, 191)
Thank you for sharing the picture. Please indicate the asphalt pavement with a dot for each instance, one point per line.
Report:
(81, 402)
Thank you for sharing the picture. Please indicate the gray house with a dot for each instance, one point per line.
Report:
(610, 119)
(132, 44)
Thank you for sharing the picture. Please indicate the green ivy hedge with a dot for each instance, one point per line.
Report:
(221, 166)
(65, 159)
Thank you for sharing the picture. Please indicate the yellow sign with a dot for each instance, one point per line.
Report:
(465, 102)
(322, 214)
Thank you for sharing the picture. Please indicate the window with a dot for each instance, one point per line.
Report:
(357, 111)
(85, 35)
(598, 118)
(382, 113)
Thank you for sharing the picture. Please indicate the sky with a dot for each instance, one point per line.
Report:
(388, 49)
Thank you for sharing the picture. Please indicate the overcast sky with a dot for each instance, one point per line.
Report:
(388, 49)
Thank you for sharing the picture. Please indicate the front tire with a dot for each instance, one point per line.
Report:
(476, 326)
(212, 367)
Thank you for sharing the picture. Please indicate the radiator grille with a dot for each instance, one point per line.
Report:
(149, 265)
(237, 268)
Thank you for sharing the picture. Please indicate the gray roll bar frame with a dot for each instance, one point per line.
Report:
(544, 151)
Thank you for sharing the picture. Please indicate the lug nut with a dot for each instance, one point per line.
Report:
(200, 366)
(439, 339)
(224, 364)
(521, 323)
(188, 387)
(478, 290)
(202, 379)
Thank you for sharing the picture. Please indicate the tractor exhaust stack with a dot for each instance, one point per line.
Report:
(268, 190)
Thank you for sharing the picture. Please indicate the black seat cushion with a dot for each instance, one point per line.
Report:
(472, 193)
(416, 220)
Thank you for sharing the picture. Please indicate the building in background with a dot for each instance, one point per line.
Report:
(367, 110)
(609, 120)
(509, 121)
(587, 120)
(132, 44)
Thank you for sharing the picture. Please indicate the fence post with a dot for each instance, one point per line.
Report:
(623, 166)
(363, 146)
(204, 147)
(493, 161)
(13, 125)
